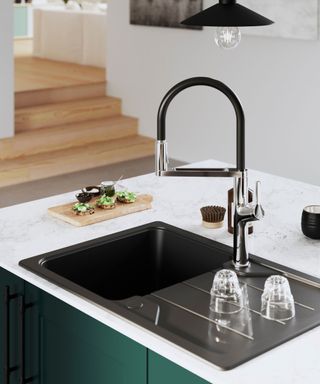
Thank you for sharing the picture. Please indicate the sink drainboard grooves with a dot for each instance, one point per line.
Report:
(248, 308)
(203, 317)
(296, 302)
(292, 276)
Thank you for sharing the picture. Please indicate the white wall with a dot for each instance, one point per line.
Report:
(6, 69)
(277, 80)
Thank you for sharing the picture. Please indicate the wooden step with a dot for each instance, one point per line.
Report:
(32, 98)
(29, 168)
(67, 136)
(51, 115)
(32, 73)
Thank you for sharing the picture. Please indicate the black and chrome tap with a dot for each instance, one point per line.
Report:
(243, 211)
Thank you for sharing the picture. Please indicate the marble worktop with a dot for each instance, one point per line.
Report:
(27, 230)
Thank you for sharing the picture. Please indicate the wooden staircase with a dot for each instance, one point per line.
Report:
(68, 112)
(57, 135)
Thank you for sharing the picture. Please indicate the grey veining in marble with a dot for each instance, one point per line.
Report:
(26, 230)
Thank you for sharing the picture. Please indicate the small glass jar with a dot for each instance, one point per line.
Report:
(107, 188)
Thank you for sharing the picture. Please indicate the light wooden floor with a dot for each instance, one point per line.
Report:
(32, 73)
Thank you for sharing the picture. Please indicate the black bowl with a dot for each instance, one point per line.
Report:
(93, 190)
(310, 221)
(84, 197)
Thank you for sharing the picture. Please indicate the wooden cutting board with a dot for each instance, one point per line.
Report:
(64, 212)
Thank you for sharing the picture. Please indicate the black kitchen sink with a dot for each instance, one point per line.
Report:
(135, 262)
(159, 277)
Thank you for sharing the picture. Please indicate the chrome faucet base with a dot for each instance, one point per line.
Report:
(240, 266)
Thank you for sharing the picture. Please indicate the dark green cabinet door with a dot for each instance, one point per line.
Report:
(162, 371)
(61, 345)
(31, 350)
(76, 349)
(12, 288)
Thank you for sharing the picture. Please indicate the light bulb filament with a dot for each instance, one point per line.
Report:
(227, 37)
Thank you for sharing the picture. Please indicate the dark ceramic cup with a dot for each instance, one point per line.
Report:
(83, 197)
(310, 221)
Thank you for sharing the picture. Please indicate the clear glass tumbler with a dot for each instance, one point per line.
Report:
(277, 302)
(226, 294)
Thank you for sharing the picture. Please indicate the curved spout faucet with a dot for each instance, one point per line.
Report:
(243, 212)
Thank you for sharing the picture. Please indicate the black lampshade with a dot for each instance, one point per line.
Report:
(227, 13)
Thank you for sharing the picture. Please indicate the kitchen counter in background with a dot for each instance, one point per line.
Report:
(80, 38)
(26, 230)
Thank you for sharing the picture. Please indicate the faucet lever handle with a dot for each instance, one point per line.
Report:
(259, 211)
(258, 192)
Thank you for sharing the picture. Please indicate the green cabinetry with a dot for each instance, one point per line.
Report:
(45, 341)
(77, 349)
(19, 339)
(50, 342)
(11, 289)
(161, 370)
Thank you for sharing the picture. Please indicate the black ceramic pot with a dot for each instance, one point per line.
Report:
(84, 197)
(310, 221)
(93, 190)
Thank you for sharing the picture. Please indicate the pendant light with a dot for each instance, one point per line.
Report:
(227, 16)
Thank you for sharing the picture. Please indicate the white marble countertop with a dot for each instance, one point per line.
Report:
(26, 230)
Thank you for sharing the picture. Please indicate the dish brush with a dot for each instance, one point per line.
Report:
(213, 216)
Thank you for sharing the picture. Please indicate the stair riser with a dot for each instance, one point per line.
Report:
(56, 138)
(57, 114)
(52, 168)
(58, 95)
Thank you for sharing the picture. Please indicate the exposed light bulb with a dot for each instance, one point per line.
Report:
(227, 37)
